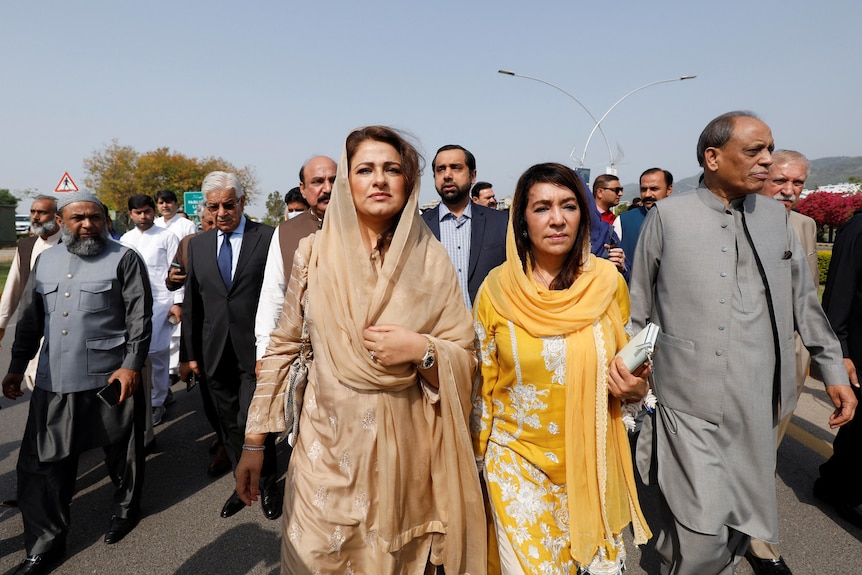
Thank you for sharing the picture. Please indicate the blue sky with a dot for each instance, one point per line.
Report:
(270, 84)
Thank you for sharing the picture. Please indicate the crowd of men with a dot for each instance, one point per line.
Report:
(118, 323)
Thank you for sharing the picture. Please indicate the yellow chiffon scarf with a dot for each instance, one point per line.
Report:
(415, 287)
(602, 496)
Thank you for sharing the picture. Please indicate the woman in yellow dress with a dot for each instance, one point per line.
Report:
(381, 479)
(547, 424)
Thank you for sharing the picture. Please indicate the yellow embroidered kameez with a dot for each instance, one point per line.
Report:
(555, 452)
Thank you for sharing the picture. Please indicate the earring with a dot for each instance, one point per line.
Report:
(524, 234)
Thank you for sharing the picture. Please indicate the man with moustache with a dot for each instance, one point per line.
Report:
(723, 274)
(90, 299)
(474, 236)
(225, 273)
(785, 183)
(483, 194)
(316, 178)
(44, 225)
(655, 184)
(157, 246)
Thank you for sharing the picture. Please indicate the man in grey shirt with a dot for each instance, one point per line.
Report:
(722, 272)
(90, 298)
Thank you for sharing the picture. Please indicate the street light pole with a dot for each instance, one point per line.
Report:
(578, 102)
(600, 120)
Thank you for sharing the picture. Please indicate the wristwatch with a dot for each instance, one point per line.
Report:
(430, 355)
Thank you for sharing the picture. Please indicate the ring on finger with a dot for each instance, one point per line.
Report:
(372, 355)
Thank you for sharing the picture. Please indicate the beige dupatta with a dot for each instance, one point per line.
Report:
(415, 287)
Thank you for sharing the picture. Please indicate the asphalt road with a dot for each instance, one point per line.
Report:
(181, 531)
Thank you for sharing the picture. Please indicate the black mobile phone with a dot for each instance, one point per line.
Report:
(110, 394)
(192, 381)
(177, 266)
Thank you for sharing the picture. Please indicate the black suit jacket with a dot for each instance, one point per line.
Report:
(487, 241)
(211, 313)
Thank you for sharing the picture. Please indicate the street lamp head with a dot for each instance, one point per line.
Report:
(687, 77)
(506, 72)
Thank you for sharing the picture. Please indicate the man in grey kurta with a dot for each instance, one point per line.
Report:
(723, 274)
(90, 298)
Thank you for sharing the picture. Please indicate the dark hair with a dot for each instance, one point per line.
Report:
(637, 202)
(411, 163)
(668, 177)
(139, 201)
(564, 177)
(294, 195)
(478, 187)
(166, 196)
(603, 180)
(469, 158)
(719, 131)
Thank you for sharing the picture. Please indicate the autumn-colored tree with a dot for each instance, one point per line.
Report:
(274, 209)
(111, 174)
(118, 172)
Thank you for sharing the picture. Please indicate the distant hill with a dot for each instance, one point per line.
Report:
(824, 172)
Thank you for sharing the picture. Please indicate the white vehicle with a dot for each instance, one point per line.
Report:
(22, 224)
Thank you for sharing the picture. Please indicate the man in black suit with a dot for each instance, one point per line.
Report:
(473, 235)
(838, 483)
(225, 272)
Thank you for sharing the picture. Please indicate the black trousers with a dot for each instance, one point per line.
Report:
(843, 469)
(59, 428)
(231, 389)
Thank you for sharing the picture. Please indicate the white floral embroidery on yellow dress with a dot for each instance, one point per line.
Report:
(536, 508)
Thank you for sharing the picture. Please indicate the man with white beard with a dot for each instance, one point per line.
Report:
(44, 225)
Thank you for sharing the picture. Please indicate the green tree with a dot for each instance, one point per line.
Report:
(7, 199)
(274, 209)
(117, 172)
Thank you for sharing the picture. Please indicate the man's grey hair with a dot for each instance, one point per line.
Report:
(719, 131)
(781, 157)
(51, 199)
(218, 181)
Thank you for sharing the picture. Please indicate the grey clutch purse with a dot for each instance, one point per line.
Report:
(640, 348)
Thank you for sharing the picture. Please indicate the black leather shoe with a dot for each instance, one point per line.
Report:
(120, 527)
(232, 505)
(220, 462)
(271, 500)
(846, 508)
(38, 564)
(768, 566)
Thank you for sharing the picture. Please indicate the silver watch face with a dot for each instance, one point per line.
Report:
(427, 361)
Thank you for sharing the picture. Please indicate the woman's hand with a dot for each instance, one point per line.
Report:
(624, 385)
(248, 471)
(391, 345)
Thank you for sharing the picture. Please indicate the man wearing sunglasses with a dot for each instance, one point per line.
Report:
(607, 191)
(225, 272)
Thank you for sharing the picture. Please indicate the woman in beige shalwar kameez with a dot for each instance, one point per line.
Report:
(382, 478)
